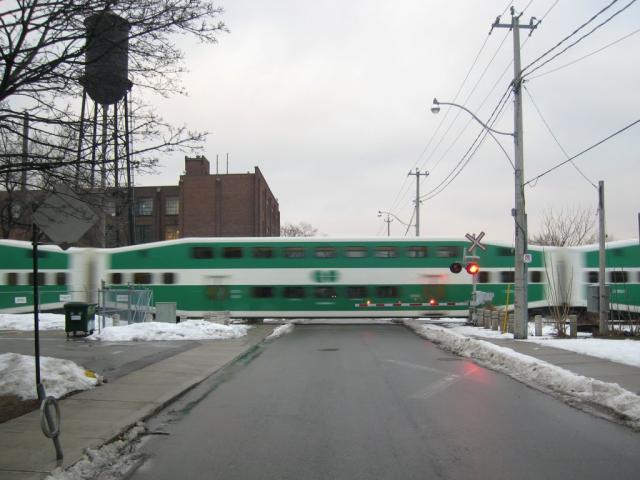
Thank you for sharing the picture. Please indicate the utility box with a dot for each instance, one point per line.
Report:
(166, 312)
(593, 298)
(79, 317)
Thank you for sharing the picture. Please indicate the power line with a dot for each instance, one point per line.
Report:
(581, 38)
(585, 56)
(546, 124)
(535, 179)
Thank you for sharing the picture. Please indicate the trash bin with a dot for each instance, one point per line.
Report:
(79, 317)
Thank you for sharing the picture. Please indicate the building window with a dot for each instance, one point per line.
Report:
(144, 207)
(171, 206)
(263, 252)
(294, 252)
(417, 252)
(355, 252)
(202, 252)
(262, 292)
(116, 279)
(171, 233)
(232, 252)
(387, 291)
(142, 278)
(325, 252)
(448, 252)
(294, 292)
(168, 278)
(358, 292)
(618, 277)
(385, 252)
(325, 292)
(507, 277)
(144, 234)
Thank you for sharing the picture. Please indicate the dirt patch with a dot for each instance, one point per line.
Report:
(12, 407)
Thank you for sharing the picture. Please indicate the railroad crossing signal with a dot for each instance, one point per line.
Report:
(475, 242)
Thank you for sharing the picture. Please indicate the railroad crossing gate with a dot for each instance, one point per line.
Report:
(475, 242)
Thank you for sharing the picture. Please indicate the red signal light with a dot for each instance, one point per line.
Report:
(472, 268)
(455, 267)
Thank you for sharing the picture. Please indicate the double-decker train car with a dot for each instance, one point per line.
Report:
(317, 277)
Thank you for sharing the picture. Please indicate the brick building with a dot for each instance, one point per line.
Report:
(201, 205)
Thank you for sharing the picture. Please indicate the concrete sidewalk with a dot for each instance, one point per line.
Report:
(94, 417)
(626, 376)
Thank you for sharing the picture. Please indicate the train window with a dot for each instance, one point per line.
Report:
(294, 292)
(294, 252)
(448, 251)
(483, 277)
(386, 252)
(355, 252)
(202, 252)
(505, 251)
(142, 278)
(232, 252)
(507, 277)
(262, 292)
(325, 252)
(61, 278)
(263, 252)
(592, 277)
(357, 292)
(41, 278)
(325, 292)
(116, 279)
(417, 252)
(535, 276)
(12, 278)
(387, 291)
(618, 277)
(168, 278)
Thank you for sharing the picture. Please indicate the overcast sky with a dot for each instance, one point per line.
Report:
(331, 100)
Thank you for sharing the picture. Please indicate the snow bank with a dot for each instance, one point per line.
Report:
(608, 398)
(59, 377)
(46, 321)
(281, 330)
(154, 331)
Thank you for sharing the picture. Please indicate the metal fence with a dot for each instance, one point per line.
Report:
(130, 304)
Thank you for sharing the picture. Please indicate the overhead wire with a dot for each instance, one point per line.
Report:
(555, 138)
(598, 143)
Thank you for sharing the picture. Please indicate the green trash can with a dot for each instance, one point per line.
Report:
(79, 317)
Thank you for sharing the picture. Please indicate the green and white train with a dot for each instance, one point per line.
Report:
(315, 277)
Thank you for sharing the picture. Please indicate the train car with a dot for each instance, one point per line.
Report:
(622, 275)
(317, 277)
(16, 276)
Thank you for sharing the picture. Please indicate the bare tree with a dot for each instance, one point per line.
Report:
(302, 229)
(568, 227)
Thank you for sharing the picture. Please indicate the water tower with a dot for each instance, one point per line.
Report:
(104, 162)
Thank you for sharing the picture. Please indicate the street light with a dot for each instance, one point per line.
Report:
(519, 214)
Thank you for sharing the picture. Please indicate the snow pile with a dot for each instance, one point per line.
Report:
(59, 377)
(46, 321)
(281, 330)
(154, 331)
(577, 390)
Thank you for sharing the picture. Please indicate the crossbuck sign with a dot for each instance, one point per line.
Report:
(475, 242)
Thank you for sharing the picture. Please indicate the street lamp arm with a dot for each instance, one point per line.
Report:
(436, 108)
(380, 212)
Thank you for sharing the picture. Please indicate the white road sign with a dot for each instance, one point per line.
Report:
(475, 242)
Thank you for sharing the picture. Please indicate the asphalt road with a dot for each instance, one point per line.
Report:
(110, 359)
(377, 402)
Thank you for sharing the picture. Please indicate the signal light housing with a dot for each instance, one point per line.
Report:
(472, 268)
(455, 267)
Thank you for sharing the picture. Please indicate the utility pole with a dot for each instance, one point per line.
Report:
(25, 150)
(388, 221)
(603, 308)
(418, 173)
(521, 313)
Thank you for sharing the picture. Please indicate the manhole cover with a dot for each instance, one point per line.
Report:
(328, 349)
